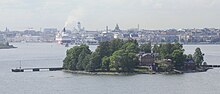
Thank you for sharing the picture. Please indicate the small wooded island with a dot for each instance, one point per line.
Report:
(122, 57)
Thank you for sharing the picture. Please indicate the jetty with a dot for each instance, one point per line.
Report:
(212, 66)
(37, 69)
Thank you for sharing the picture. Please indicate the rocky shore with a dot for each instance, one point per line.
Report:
(136, 72)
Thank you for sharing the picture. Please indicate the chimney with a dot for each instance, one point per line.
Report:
(64, 30)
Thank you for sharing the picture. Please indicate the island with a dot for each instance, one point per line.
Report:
(6, 45)
(128, 57)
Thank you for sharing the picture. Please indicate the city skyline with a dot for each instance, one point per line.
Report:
(96, 15)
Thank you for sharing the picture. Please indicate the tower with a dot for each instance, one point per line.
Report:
(117, 28)
(79, 26)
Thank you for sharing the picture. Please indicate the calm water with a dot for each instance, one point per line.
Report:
(58, 82)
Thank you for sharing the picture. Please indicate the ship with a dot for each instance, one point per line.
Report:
(63, 37)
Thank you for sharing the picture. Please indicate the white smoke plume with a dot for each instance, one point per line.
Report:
(74, 16)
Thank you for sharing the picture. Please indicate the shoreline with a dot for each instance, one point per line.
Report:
(134, 73)
(98, 73)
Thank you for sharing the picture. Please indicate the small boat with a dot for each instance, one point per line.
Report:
(18, 69)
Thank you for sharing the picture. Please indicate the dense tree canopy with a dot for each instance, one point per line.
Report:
(146, 48)
(72, 57)
(106, 63)
(178, 59)
(166, 50)
(124, 60)
(94, 63)
(104, 49)
(121, 56)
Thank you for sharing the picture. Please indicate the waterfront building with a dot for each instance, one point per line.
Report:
(146, 59)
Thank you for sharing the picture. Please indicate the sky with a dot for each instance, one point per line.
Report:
(97, 14)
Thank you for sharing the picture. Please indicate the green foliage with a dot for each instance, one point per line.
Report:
(146, 48)
(198, 57)
(124, 60)
(164, 67)
(95, 62)
(106, 63)
(79, 58)
(86, 61)
(116, 44)
(72, 56)
(121, 56)
(130, 60)
(104, 49)
(132, 41)
(79, 65)
(189, 56)
(130, 47)
(166, 50)
(178, 59)
(156, 48)
(115, 59)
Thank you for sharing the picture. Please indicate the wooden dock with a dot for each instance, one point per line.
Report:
(212, 66)
(38, 69)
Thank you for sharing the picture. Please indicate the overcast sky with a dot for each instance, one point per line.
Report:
(97, 14)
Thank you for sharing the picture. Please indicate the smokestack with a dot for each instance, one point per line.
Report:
(79, 26)
(64, 29)
(106, 28)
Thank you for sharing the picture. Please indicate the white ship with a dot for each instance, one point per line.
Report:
(63, 37)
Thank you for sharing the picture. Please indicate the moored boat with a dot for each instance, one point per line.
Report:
(17, 70)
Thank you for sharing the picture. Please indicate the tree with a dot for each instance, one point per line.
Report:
(146, 48)
(115, 59)
(166, 50)
(85, 61)
(178, 59)
(131, 47)
(104, 49)
(72, 56)
(124, 60)
(177, 46)
(198, 57)
(189, 56)
(105, 63)
(81, 57)
(90, 67)
(156, 48)
(132, 41)
(116, 44)
(94, 63)
(130, 60)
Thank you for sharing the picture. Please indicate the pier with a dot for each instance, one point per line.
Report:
(212, 66)
(37, 69)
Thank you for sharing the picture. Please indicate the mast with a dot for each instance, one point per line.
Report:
(20, 64)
